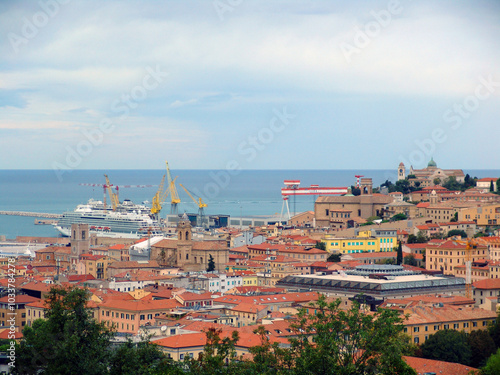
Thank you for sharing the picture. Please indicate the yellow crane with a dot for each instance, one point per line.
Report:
(160, 197)
(174, 197)
(156, 202)
(201, 205)
(114, 197)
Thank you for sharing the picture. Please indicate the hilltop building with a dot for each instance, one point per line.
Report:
(425, 177)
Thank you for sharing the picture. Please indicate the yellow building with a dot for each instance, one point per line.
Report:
(96, 265)
(483, 216)
(424, 321)
(447, 255)
(366, 241)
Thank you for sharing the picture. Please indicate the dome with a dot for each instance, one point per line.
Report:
(432, 163)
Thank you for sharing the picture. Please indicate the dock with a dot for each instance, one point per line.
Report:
(31, 214)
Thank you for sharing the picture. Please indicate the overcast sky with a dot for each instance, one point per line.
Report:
(256, 84)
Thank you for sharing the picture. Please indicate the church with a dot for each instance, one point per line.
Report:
(192, 256)
(430, 175)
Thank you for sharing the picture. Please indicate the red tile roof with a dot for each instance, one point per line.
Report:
(487, 284)
(429, 366)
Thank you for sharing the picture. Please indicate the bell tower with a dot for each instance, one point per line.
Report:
(401, 172)
(184, 241)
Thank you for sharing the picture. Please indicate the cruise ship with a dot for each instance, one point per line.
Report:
(129, 220)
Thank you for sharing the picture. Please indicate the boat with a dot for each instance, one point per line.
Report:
(129, 220)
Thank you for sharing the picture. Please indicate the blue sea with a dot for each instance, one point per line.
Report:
(244, 192)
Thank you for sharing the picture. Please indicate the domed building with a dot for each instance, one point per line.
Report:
(429, 176)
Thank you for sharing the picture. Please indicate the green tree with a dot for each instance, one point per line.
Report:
(494, 331)
(403, 186)
(498, 186)
(218, 357)
(419, 238)
(211, 263)
(320, 245)
(410, 260)
(144, 358)
(268, 359)
(348, 341)
(492, 365)
(69, 341)
(454, 219)
(436, 181)
(334, 257)
(482, 347)
(399, 258)
(456, 232)
(355, 190)
(492, 187)
(399, 217)
(449, 346)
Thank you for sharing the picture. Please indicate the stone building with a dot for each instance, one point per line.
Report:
(328, 208)
(188, 254)
(428, 176)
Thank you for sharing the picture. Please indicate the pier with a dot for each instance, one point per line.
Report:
(31, 214)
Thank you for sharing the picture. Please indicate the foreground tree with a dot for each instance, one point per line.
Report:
(492, 365)
(482, 347)
(218, 357)
(449, 346)
(335, 341)
(69, 341)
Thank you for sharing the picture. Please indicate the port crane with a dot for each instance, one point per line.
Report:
(113, 196)
(199, 202)
(160, 197)
(174, 197)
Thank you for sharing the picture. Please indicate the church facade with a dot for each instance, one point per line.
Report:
(429, 176)
(192, 256)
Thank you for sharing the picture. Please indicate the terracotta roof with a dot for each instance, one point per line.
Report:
(38, 286)
(268, 299)
(378, 254)
(134, 264)
(248, 308)
(188, 296)
(445, 314)
(487, 284)
(77, 278)
(7, 335)
(429, 366)
(140, 305)
(20, 298)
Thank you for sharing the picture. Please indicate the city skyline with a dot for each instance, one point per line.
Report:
(256, 85)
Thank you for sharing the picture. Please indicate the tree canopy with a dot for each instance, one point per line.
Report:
(70, 341)
(448, 345)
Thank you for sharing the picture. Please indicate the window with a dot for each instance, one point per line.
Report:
(143, 317)
(181, 357)
(455, 326)
(416, 340)
(416, 329)
(150, 316)
(426, 328)
(446, 326)
(474, 324)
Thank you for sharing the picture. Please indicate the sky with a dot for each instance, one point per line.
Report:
(249, 84)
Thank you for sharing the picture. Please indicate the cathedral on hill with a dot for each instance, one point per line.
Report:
(429, 176)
